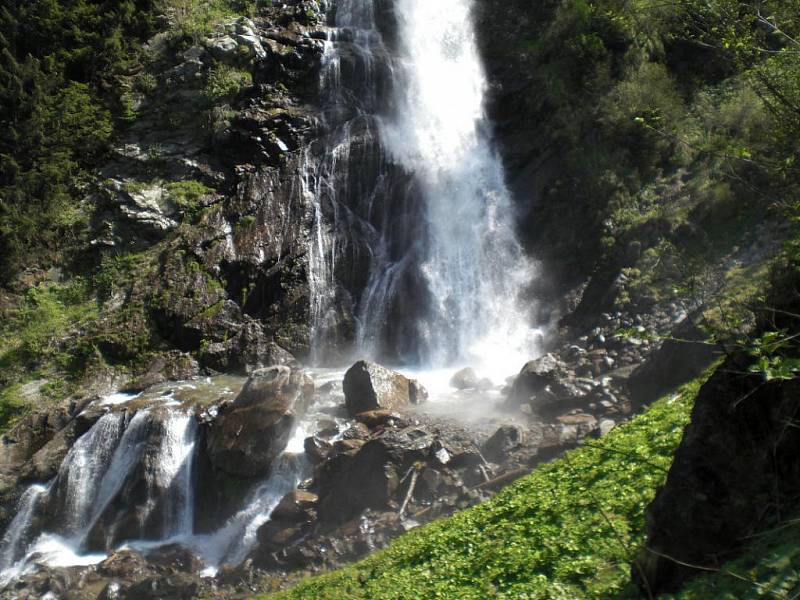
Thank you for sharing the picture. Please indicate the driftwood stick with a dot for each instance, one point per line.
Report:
(409, 493)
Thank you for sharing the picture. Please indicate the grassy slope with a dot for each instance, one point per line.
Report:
(569, 530)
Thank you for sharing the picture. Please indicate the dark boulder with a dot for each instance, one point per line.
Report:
(253, 430)
(296, 506)
(369, 477)
(734, 470)
(535, 377)
(369, 386)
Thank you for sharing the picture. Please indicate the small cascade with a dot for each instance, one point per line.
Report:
(80, 476)
(175, 474)
(91, 504)
(344, 176)
(231, 544)
(127, 454)
(12, 547)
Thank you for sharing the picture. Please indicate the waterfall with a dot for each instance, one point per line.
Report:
(12, 547)
(429, 212)
(91, 491)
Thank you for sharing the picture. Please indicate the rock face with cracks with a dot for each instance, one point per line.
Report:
(253, 430)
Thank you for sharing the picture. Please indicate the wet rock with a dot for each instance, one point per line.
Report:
(327, 428)
(504, 440)
(317, 449)
(253, 430)
(464, 379)
(417, 394)
(369, 386)
(296, 506)
(357, 431)
(380, 418)
(126, 565)
(176, 558)
(178, 586)
(274, 535)
(113, 591)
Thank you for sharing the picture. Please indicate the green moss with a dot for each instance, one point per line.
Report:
(569, 530)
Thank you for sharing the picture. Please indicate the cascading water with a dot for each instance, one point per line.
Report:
(445, 272)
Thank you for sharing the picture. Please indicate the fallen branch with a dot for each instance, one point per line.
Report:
(506, 477)
(409, 493)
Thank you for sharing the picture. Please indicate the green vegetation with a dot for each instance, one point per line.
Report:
(569, 530)
(44, 333)
(224, 83)
(674, 126)
(768, 569)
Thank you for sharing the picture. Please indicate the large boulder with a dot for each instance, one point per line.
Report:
(253, 430)
(369, 476)
(735, 474)
(535, 376)
(369, 386)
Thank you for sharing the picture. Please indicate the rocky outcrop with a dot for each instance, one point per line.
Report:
(734, 473)
(253, 430)
(369, 386)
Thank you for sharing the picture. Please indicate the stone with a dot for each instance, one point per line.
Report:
(222, 48)
(380, 418)
(464, 379)
(369, 386)
(296, 506)
(175, 557)
(123, 564)
(733, 475)
(535, 376)
(503, 441)
(606, 426)
(317, 449)
(249, 433)
(177, 586)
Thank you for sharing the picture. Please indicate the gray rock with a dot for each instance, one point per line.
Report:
(464, 379)
(222, 48)
(253, 430)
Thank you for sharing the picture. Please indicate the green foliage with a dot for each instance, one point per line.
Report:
(569, 530)
(224, 83)
(196, 19)
(59, 62)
